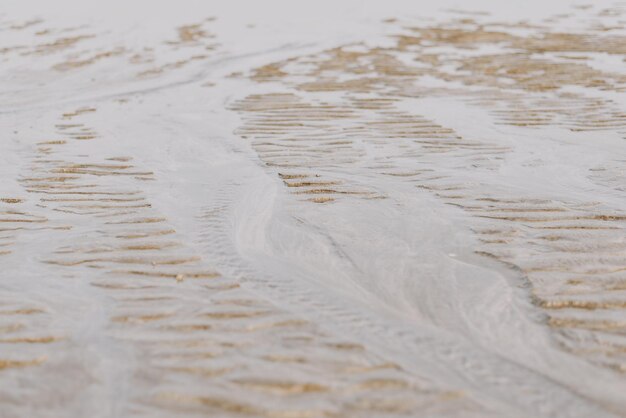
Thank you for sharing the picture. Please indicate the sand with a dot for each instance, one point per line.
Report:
(322, 209)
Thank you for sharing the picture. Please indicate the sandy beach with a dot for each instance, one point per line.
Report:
(290, 209)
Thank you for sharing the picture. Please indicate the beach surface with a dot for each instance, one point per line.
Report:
(325, 209)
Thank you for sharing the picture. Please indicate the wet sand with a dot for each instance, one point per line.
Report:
(313, 210)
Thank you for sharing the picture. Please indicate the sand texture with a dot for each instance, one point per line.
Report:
(323, 209)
